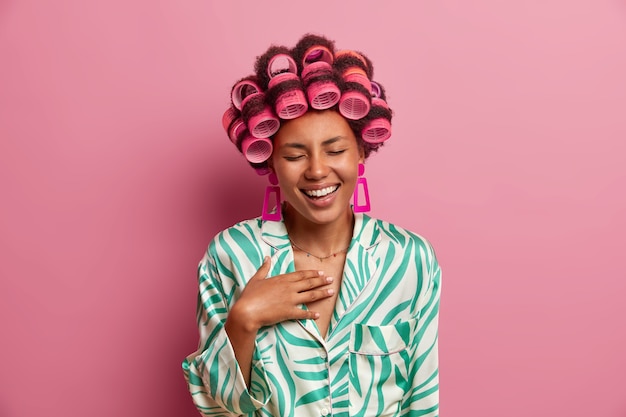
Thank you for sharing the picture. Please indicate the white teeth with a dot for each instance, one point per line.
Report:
(321, 193)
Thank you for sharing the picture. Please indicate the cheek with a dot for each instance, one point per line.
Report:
(351, 169)
(350, 176)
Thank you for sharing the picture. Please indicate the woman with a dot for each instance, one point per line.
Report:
(315, 308)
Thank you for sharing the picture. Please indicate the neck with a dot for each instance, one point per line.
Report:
(321, 239)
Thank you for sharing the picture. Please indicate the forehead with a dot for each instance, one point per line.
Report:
(314, 127)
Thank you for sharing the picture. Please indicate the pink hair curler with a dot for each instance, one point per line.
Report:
(377, 131)
(316, 69)
(377, 90)
(354, 54)
(229, 115)
(263, 123)
(357, 75)
(379, 102)
(290, 103)
(256, 150)
(281, 63)
(242, 90)
(322, 94)
(233, 124)
(235, 130)
(354, 105)
(317, 53)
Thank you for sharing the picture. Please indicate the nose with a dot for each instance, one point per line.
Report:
(317, 168)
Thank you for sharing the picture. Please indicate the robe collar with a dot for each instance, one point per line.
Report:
(366, 233)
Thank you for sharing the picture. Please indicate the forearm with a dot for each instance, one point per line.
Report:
(241, 333)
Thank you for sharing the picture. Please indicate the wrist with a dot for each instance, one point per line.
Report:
(240, 320)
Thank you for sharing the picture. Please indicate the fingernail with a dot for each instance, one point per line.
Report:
(329, 279)
(320, 273)
(331, 291)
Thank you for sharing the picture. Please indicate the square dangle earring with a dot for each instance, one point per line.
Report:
(361, 185)
(272, 189)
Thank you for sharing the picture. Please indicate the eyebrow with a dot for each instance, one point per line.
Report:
(302, 146)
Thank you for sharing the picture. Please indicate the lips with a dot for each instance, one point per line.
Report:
(320, 193)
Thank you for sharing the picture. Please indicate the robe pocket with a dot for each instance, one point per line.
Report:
(379, 364)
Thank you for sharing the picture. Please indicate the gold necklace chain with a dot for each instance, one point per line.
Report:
(321, 258)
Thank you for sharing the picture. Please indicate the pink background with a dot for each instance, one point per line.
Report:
(508, 154)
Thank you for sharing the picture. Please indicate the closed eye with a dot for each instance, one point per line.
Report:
(293, 158)
(336, 152)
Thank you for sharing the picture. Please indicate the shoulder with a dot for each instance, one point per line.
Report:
(240, 237)
(399, 236)
(245, 230)
(410, 248)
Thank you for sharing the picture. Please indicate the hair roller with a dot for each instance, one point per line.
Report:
(288, 96)
(368, 64)
(356, 95)
(285, 92)
(243, 89)
(357, 75)
(229, 116)
(258, 116)
(355, 99)
(378, 126)
(233, 124)
(321, 85)
(312, 48)
(256, 150)
(353, 68)
(274, 57)
(317, 53)
(348, 58)
(279, 64)
(377, 131)
(379, 102)
(378, 91)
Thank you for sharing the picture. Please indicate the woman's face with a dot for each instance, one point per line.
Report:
(316, 158)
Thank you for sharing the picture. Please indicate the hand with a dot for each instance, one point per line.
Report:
(266, 301)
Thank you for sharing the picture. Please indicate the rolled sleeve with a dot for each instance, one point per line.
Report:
(214, 378)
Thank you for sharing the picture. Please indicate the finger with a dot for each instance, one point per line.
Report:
(304, 275)
(262, 272)
(312, 283)
(314, 295)
(304, 314)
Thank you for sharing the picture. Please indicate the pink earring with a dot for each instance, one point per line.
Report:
(361, 181)
(272, 189)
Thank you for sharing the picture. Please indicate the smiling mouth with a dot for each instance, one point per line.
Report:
(317, 194)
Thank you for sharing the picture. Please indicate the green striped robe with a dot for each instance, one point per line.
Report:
(379, 357)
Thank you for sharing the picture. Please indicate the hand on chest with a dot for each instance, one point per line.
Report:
(332, 267)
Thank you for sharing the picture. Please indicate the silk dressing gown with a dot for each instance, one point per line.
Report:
(379, 357)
